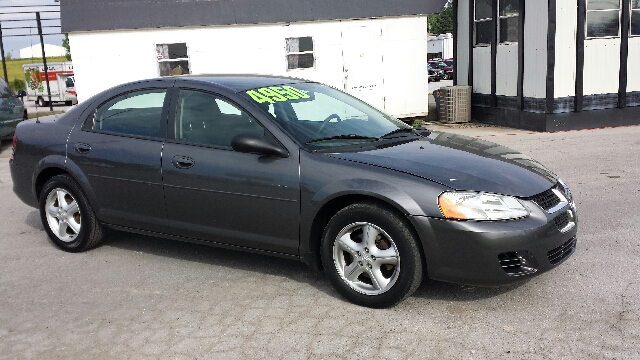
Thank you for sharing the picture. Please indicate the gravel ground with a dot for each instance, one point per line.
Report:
(141, 297)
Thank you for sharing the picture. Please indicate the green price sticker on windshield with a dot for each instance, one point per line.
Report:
(274, 94)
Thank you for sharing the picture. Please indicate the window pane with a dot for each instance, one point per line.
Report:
(509, 29)
(300, 61)
(299, 44)
(635, 4)
(509, 7)
(603, 23)
(306, 44)
(483, 32)
(603, 4)
(138, 113)
(170, 68)
(483, 9)
(635, 22)
(171, 51)
(203, 118)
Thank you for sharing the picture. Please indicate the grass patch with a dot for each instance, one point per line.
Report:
(43, 114)
(14, 67)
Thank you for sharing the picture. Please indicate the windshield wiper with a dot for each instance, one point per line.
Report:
(398, 131)
(337, 137)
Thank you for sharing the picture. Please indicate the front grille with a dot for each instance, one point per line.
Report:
(561, 220)
(546, 200)
(559, 254)
(517, 263)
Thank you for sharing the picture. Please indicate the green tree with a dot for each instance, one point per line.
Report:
(65, 45)
(441, 23)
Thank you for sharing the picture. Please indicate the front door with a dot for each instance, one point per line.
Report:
(362, 56)
(217, 194)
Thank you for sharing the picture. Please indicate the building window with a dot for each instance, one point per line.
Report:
(483, 16)
(509, 20)
(603, 18)
(300, 53)
(173, 59)
(635, 17)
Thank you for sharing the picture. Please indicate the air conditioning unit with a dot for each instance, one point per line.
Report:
(455, 104)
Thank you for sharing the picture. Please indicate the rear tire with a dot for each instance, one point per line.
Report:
(371, 256)
(41, 102)
(67, 216)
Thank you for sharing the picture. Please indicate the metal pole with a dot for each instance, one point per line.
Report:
(44, 60)
(4, 62)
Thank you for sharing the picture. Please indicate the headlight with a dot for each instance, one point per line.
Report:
(480, 206)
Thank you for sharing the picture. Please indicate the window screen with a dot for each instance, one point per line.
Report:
(603, 18)
(509, 15)
(635, 17)
(482, 29)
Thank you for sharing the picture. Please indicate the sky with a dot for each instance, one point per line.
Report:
(14, 44)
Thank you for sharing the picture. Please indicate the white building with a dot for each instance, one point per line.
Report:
(35, 51)
(440, 46)
(550, 65)
(375, 52)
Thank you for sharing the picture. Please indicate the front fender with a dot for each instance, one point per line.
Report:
(333, 184)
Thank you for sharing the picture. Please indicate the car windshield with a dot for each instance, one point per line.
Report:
(318, 116)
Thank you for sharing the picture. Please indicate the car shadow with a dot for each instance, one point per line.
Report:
(211, 255)
(258, 263)
(438, 290)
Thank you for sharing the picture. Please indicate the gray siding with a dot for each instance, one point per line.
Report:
(88, 15)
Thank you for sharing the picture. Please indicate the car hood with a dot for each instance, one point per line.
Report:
(461, 163)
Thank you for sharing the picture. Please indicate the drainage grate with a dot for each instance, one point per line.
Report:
(559, 254)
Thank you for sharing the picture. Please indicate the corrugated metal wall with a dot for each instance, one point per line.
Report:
(482, 70)
(601, 66)
(633, 75)
(507, 70)
(462, 55)
(565, 69)
(535, 49)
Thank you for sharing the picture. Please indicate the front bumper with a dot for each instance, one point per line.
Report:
(488, 253)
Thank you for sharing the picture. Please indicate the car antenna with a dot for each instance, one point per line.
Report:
(37, 114)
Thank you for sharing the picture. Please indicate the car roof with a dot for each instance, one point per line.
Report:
(239, 83)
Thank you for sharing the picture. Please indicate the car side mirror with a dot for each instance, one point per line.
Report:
(21, 94)
(256, 144)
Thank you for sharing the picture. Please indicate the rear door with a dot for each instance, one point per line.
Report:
(217, 194)
(119, 149)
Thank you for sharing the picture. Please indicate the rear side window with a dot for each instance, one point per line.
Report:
(136, 113)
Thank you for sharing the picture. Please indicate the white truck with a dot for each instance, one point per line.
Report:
(61, 83)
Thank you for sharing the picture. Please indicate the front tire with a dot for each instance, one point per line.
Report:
(67, 216)
(371, 256)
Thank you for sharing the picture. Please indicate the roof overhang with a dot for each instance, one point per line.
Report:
(90, 15)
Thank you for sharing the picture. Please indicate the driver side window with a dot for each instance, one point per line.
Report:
(205, 119)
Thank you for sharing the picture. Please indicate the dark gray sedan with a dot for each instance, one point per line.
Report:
(295, 169)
